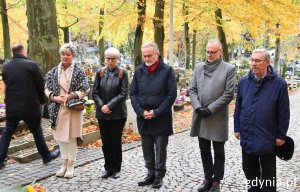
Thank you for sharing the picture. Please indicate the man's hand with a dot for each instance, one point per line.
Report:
(105, 109)
(203, 111)
(148, 114)
(237, 135)
(279, 142)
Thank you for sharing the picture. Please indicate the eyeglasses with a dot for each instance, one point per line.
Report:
(211, 52)
(256, 60)
(112, 58)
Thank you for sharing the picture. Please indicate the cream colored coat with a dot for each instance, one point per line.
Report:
(68, 123)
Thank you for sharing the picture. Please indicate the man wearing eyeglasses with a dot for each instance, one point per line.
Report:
(212, 89)
(261, 120)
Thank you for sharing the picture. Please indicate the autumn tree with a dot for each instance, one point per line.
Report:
(194, 49)
(221, 33)
(158, 22)
(139, 32)
(68, 18)
(186, 33)
(43, 35)
(5, 28)
(101, 38)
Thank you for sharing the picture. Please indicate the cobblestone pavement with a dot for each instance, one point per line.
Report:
(184, 167)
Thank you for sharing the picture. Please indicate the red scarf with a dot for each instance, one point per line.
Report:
(151, 69)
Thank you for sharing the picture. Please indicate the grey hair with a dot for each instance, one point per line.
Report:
(150, 44)
(264, 51)
(112, 51)
(215, 41)
(68, 47)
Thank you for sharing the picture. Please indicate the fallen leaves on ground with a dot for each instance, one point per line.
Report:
(93, 145)
(89, 129)
(129, 136)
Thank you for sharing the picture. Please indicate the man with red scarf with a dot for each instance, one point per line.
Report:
(153, 91)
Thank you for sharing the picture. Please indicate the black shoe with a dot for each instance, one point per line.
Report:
(147, 181)
(115, 175)
(205, 186)
(157, 183)
(106, 174)
(53, 155)
(2, 164)
(215, 187)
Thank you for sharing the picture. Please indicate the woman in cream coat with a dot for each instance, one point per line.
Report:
(65, 84)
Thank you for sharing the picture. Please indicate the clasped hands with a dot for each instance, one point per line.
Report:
(148, 114)
(203, 111)
(105, 109)
(61, 99)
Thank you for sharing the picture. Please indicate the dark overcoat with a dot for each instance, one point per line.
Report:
(24, 91)
(158, 93)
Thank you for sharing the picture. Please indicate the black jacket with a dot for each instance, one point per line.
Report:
(24, 91)
(112, 91)
(158, 93)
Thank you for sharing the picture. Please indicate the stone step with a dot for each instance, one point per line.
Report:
(30, 153)
(23, 142)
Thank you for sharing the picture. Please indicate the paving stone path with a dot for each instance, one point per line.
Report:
(184, 167)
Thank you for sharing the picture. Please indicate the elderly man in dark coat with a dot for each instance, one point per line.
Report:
(152, 93)
(211, 90)
(24, 95)
(261, 121)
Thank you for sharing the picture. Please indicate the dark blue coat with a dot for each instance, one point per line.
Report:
(262, 112)
(157, 92)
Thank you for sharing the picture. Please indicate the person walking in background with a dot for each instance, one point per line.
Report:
(24, 97)
(261, 120)
(65, 85)
(211, 90)
(153, 91)
(109, 93)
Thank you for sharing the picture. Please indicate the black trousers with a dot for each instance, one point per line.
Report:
(34, 125)
(212, 170)
(260, 171)
(111, 135)
(155, 153)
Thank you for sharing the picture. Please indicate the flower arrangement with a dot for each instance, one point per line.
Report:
(89, 105)
(33, 187)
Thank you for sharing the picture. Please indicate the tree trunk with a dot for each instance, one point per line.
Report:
(277, 49)
(221, 34)
(5, 28)
(187, 45)
(194, 49)
(186, 34)
(43, 35)
(101, 40)
(139, 32)
(158, 22)
(66, 34)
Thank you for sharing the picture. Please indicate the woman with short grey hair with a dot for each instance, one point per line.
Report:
(68, 47)
(109, 93)
(66, 84)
